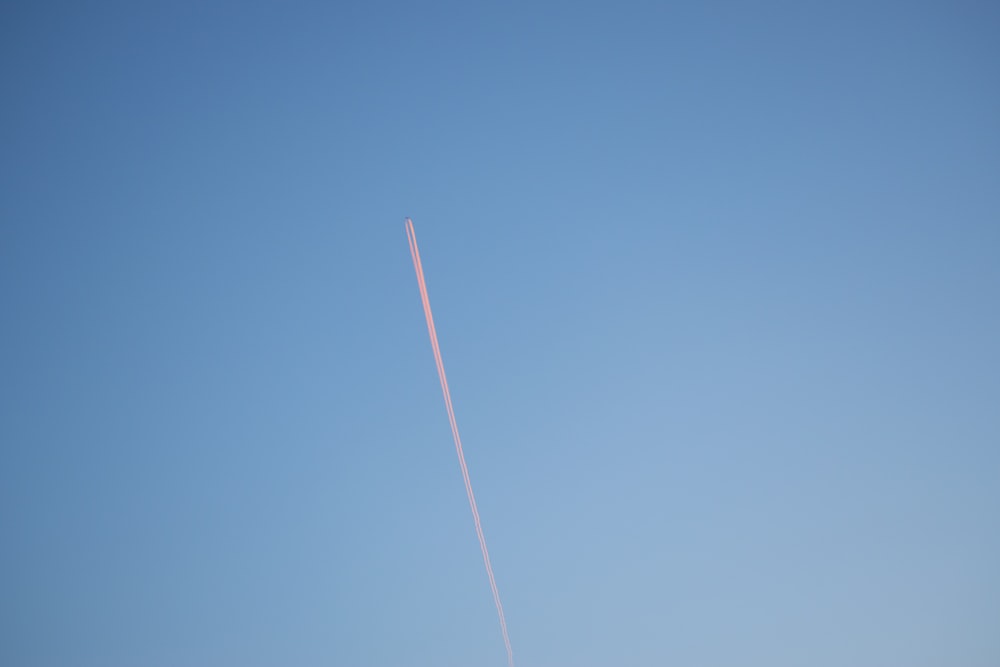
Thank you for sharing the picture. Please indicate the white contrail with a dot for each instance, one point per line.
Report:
(415, 253)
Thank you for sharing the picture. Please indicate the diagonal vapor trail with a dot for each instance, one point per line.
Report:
(415, 254)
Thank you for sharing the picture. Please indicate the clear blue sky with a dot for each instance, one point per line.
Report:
(718, 291)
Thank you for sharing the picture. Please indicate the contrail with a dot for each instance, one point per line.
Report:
(411, 235)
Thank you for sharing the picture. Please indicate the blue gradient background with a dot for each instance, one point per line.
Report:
(718, 291)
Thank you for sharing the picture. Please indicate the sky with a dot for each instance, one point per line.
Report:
(717, 287)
